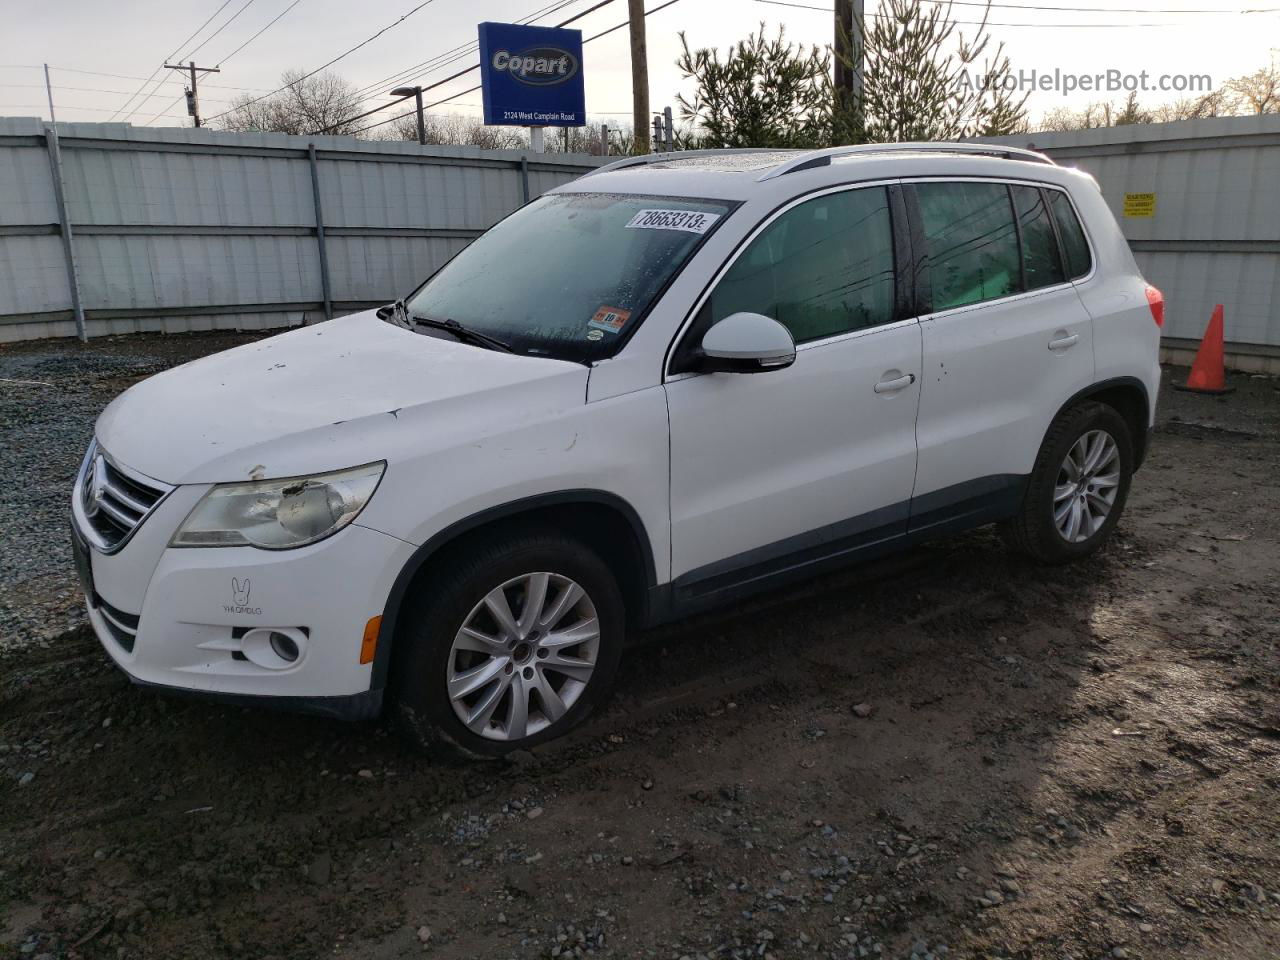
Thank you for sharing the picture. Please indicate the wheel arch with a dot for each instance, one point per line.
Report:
(1128, 397)
(605, 521)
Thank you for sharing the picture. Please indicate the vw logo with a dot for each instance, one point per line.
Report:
(95, 486)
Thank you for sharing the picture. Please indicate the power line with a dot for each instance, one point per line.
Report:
(452, 76)
(259, 33)
(461, 93)
(44, 106)
(340, 56)
(992, 23)
(127, 76)
(1031, 6)
(191, 54)
(454, 53)
(194, 33)
(452, 56)
(40, 86)
(162, 113)
(226, 23)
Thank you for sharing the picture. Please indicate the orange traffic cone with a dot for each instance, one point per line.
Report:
(1207, 372)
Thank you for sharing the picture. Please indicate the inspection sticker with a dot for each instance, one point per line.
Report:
(609, 319)
(690, 221)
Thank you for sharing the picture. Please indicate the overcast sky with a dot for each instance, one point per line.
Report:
(132, 37)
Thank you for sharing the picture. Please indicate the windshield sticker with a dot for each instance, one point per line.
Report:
(690, 221)
(595, 334)
(609, 319)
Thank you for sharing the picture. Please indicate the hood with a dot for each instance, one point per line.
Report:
(324, 397)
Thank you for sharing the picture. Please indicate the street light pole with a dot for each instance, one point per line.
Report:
(416, 93)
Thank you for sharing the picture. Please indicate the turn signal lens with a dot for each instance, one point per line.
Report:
(369, 643)
(1156, 299)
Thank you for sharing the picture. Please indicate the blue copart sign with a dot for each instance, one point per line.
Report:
(532, 76)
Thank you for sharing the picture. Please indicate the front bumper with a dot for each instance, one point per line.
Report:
(174, 619)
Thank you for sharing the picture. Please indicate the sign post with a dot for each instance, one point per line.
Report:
(532, 77)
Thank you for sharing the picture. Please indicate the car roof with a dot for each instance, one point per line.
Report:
(748, 174)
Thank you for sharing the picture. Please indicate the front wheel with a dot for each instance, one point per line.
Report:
(510, 645)
(1078, 486)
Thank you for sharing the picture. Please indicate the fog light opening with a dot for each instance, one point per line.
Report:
(284, 646)
(274, 648)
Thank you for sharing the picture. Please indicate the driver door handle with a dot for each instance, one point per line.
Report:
(1062, 343)
(896, 384)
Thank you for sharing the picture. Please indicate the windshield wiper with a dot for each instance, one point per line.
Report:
(463, 333)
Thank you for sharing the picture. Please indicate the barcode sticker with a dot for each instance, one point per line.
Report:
(690, 221)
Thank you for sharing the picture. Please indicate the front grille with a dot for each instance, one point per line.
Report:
(113, 502)
(122, 626)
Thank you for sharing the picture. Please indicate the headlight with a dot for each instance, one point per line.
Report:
(279, 514)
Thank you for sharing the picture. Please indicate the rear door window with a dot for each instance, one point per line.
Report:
(971, 241)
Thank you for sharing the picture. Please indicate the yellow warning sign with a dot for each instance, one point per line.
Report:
(1139, 204)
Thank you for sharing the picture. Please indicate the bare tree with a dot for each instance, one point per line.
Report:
(323, 101)
(1132, 112)
(1216, 104)
(1259, 92)
(457, 130)
(1104, 114)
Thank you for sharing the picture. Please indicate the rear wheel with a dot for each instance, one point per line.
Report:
(1078, 487)
(510, 645)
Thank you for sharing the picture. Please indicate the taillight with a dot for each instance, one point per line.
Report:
(1156, 299)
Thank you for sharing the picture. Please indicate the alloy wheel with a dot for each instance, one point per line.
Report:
(523, 656)
(1088, 482)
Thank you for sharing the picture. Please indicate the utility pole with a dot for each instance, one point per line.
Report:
(416, 93)
(193, 99)
(848, 46)
(639, 76)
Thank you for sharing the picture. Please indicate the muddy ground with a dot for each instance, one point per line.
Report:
(1078, 762)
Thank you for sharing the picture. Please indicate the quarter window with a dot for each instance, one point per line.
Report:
(971, 242)
(1075, 248)
(1040, 263)
(823, 268)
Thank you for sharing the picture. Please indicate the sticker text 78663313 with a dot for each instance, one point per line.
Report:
(690, 221)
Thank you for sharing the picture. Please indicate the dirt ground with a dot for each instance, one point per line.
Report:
(1078, 762)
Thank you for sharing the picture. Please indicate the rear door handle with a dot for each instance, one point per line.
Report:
(1063, 343)
(896, 384)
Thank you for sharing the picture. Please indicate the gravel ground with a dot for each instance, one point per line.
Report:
(955, 754)
(50, 394)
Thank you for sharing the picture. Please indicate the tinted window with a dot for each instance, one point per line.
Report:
(1040, 262)
(822, 268)
(1075, 248)
(971, 242)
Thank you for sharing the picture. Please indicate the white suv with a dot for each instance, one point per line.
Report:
(462, 502)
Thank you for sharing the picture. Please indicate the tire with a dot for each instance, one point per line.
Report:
(535, 661)
(1038, 528)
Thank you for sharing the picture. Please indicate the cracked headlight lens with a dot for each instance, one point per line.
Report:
(279, 514)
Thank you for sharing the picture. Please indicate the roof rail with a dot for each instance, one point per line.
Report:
(645, 159)
(821, 158)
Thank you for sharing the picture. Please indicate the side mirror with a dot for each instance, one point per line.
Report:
(747, 343)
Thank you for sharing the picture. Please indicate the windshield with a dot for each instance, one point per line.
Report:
(570, 275)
